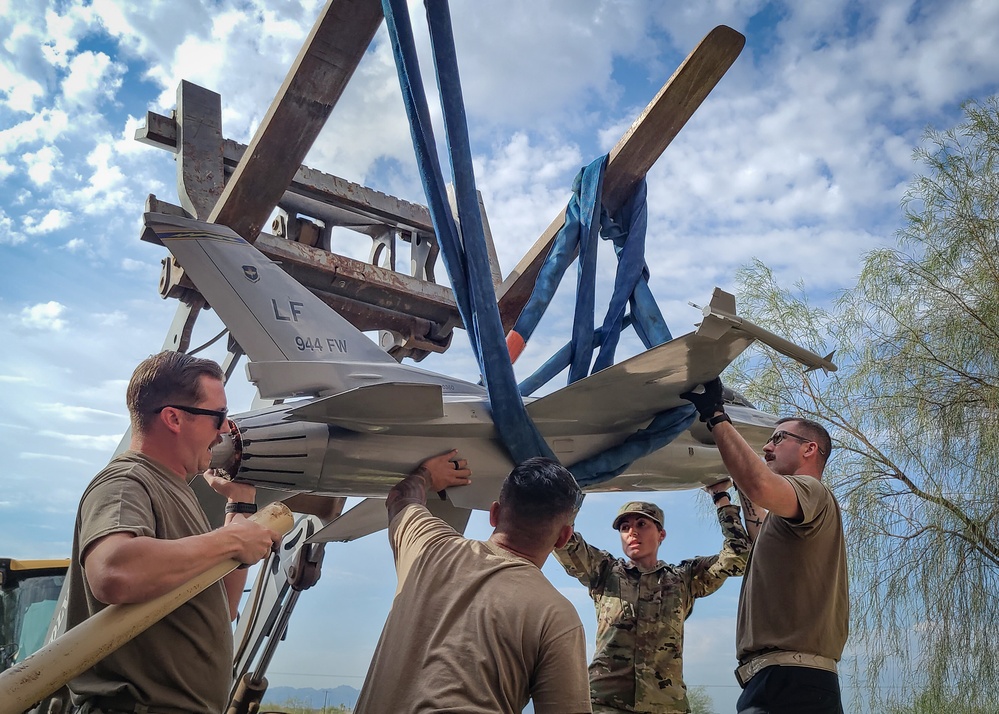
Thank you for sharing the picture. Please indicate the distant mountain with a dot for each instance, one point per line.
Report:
(333, 697)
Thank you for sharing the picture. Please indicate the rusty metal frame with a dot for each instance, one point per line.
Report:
(225, 182)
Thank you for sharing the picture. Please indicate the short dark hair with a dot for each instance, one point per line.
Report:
(165, 378)
(817, 433)
(539, 495)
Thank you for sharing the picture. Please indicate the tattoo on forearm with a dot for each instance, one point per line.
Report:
(750, 514)
(412, 488)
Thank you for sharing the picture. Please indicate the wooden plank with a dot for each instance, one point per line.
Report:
(301, 107)
(636, 151)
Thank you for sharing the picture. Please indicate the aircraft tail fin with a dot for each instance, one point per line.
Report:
(270, 314)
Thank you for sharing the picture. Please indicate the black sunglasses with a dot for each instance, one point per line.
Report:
(219, 415)
(779, 436)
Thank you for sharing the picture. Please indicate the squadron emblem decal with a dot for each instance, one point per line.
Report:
(250, 273)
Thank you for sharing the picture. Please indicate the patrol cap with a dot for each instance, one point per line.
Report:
(639, 508)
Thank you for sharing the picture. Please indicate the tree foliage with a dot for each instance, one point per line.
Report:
(914, 412)
(297, 705)
(700, 701)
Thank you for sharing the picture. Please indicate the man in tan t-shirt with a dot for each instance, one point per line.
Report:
(475, 627)
(140, 533)
(794, 607)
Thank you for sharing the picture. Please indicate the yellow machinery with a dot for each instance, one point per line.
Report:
(29, 590)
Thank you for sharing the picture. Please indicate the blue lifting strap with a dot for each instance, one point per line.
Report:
(467, 262)
(626, 230)
(584, 218)
(465, 257)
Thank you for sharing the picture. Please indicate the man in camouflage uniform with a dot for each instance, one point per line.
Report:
(642, 603)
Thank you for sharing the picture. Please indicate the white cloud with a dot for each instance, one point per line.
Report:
(21, 94)
(44, 316)
(111, 319)
(53, 220)
(7, 234)
(63, 32)
(22, 68)
(90, 442)
(73, 413)
(92, 78)
(42, 164)
(44, 126)
(48, 456)
(107, 188)
(12, 379)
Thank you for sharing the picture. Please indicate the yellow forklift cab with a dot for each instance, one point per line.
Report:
(29, 590)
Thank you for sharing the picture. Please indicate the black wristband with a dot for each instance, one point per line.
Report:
(240, 507)
(717, 419)
(719, 495)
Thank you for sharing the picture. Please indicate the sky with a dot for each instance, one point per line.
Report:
(799, 157)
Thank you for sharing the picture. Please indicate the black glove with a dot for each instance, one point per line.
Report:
(710, 401)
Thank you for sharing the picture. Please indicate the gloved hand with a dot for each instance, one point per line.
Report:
(710, 401)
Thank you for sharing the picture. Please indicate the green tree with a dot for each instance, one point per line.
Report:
(700, 701)
(914, 412)
(296, 705)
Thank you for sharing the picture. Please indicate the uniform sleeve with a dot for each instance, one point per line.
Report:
(411, 532)
(708, 574)
(115, 505)
(561, 684)
(582, 561)
(814, 497)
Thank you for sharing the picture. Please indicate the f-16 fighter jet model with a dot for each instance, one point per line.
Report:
(351, 418)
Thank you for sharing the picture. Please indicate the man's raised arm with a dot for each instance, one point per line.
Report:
(750, 473)
(435, 474)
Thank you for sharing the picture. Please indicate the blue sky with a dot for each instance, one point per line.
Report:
(799, 157)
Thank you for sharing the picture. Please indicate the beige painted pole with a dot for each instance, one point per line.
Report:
(41, 674)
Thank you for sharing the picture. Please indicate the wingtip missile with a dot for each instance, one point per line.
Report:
(827, 368)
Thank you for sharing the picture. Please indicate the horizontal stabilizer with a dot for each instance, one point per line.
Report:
(287, 380)
(386, 403)
(370, 516)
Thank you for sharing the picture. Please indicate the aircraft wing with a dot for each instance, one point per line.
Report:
(637, 389)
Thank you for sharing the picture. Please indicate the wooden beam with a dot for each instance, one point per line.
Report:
(316, 80)
(636, 152)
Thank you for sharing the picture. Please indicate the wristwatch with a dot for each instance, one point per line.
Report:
(717, 419)
(241, 507)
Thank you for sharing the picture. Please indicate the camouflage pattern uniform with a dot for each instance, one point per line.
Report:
(638, 663)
